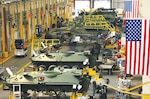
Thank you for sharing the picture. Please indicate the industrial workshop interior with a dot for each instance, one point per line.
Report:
(74, 49)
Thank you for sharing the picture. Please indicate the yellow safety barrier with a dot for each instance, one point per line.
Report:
(131, 93)
(1, 85)
(100, 24)
(146, 97)
(137, 86)
(11, 96)
(97, 22)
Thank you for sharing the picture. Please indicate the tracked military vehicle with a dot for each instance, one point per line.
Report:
(58, 34)
(72, 51)
(109, 14)
(67, 58)
(53, 80)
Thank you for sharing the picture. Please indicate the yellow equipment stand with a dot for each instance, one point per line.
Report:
(11, 96)
(111, 46)
(75, 95)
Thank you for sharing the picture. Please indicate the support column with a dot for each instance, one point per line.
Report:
(65, 8)
(41, 12)
(1, 31)
(36, 11)
(32, 4)
(143, 13)
(51, 11)
(13, 26)
(111, 3)
(4, 33)
(44, 15)
(48, 14)
(35, 18)
(70, 10)
(17, 19)
(9, 24)
(29, 20)
(54, 8)
(21, 21)
(91, 3)
(39, 9)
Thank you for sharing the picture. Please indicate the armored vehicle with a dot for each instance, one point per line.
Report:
(109, 14)
(51, 80)
(67, 58)
(58, 34)
(79, 42)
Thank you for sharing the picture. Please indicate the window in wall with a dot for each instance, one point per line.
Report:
(80, 5)
(118, 4)
(102, 3)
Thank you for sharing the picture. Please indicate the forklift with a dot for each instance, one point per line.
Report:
(21, 49)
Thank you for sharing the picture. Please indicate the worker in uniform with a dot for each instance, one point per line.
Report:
(96, 50)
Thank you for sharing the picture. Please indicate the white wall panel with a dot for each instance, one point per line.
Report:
(118, 4)
(80, 5)
(144, 8)
(145, 13)
(102, 3)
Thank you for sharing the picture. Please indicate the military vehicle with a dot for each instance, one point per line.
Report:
(70, 36)
(77, 42)
(67, 58)
(58, 34)
(109, 14)
(61, 80)
(105, 20)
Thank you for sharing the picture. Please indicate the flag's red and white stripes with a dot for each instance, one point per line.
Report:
(138, 52)
(134, 11)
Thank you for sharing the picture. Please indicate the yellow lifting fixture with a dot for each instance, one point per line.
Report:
(97, 22)
(94, 18)
(96, 25)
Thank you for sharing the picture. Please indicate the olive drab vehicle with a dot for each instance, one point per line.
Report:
(67, 58)
(71, 51)
(55, 80)
(109, 14)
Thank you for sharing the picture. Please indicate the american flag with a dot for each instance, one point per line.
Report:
(132, 8)
(137, 46)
